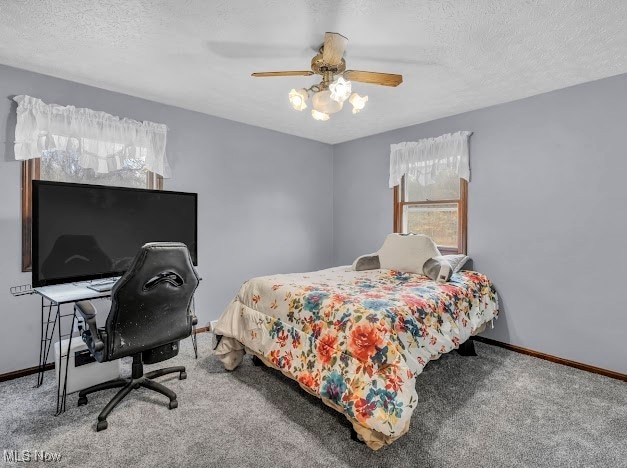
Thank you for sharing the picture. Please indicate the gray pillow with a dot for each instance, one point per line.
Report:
(367, 262)
(438, 269)
(457, 261)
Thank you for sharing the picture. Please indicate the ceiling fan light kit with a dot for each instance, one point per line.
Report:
(328, 96)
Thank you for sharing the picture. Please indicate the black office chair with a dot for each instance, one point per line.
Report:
(150, 313)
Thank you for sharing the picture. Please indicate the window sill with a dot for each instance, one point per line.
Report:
(449, 250)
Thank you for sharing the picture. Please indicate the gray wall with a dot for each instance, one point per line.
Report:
(265, 200)
(547, 214)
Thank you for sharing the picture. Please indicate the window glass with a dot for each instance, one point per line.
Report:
(438, 221)
(62, 166)
(444, 186)
(435, 206)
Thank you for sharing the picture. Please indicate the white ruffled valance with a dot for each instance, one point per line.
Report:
(103, 142)
(424, 159)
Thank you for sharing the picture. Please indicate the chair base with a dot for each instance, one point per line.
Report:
(139, 379)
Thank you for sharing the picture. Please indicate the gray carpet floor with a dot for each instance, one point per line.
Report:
(499, 409)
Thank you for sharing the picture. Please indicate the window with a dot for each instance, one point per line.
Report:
(68, 144)
(62, 166)
(437, 210)
(430, 182)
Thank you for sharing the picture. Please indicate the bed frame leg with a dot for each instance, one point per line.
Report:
(257, 362)
(467, 348)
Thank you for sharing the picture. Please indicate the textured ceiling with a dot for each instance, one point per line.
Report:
(455, 55)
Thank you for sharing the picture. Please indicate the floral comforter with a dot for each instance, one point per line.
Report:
(358, 339)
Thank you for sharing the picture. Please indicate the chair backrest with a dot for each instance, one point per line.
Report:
(150, 304)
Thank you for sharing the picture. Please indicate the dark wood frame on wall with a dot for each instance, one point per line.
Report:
(462, 214)
(31, 170)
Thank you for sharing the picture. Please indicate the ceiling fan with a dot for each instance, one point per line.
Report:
(328, 96)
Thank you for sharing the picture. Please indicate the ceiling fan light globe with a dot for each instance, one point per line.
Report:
(319, 115)
(358, 102)
(298, 99)
(300, 106)
(340, 89)
(322, 102)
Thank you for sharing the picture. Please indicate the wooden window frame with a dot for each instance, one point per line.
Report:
(462, 214)
(31, 170)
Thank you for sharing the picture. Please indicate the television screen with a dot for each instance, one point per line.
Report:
(84, 232)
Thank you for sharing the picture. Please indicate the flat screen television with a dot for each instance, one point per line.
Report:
(85, 232)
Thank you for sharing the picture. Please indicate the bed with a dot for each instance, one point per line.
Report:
(356, 339)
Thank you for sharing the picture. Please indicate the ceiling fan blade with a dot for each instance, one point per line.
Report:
(334, 47)
(385, 79)
(284, 73)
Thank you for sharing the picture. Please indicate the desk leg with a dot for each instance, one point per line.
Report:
(42, 346)
(46, 339)
(55, 360)
(67, 363)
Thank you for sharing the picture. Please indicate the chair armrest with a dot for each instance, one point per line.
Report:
(88, 312)
(192, 313)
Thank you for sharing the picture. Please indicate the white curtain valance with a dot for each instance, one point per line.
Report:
(425, 159)
(102, 141)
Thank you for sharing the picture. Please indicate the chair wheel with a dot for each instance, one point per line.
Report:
(173, 404)
(182, 375)
(102, 425)
(82, 400)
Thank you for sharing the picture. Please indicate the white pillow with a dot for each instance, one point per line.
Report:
(407, 253)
